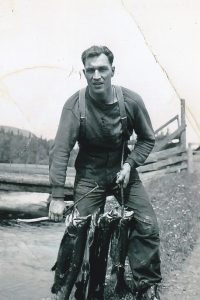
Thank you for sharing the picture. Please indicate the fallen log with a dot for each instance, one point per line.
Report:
(25, 204)
(31, 183)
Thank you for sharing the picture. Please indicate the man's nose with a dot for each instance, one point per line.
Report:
(96, 75)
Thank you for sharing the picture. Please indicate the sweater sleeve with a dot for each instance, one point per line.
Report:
(145, 135)
(66, 137)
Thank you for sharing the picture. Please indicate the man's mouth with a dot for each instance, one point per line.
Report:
(98, 83)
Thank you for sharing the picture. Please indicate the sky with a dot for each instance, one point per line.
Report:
(156, 45)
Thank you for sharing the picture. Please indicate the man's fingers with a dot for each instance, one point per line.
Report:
(52, 217)
(126, 180)
(56, 210)
(120, 178)
(55, 217)
(123, 178)
(125, 183)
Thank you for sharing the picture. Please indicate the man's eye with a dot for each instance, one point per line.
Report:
(89, 71)
(103, 69)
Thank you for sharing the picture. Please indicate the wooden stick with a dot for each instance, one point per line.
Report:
(41, 219)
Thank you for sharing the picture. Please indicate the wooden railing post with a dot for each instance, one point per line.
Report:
(183, 123)
(190, 159)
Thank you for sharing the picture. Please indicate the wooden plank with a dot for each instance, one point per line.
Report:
(31, 169)
(155, 156)
(196, 153)
(24, 168)
(196, 157)
(163, 163)
(32, 179)
(183, 124)
(190, 159)
(31, 183)
(12, 187)
(24, 178)
(166, 124)
(168, 139)
(145, 177)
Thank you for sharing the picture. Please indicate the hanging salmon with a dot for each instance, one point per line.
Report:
(118, 252)
(93, 272)
(70, 255)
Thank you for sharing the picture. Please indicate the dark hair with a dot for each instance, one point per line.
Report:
(96, 51)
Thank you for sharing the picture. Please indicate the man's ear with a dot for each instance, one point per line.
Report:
(83, 71)
(113, 71)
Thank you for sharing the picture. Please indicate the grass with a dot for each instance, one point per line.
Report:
(176, 200)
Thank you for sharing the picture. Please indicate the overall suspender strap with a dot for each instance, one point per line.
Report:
(122, 110)
(81, 101)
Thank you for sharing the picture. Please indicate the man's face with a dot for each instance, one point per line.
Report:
(98, 72)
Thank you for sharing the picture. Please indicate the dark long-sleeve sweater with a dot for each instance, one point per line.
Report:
(100, 150)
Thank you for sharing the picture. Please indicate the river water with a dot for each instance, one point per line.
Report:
(27, 253)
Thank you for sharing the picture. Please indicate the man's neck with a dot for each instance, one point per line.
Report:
(107, 97)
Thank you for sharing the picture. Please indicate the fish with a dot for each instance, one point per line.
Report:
(84, 275)
(118, 252)
(70, 254)
(83, 254)
(99, 250)
(92, 283)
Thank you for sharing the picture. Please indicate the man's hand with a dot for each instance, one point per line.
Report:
(56, 209)
(124, 175)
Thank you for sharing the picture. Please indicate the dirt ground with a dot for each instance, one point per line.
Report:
(182, 270)
(184, 284)
(183, 281)
(27, 254)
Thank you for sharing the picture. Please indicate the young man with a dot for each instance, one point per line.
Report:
(102, 119)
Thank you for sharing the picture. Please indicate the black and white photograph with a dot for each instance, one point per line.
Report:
(99, 150)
